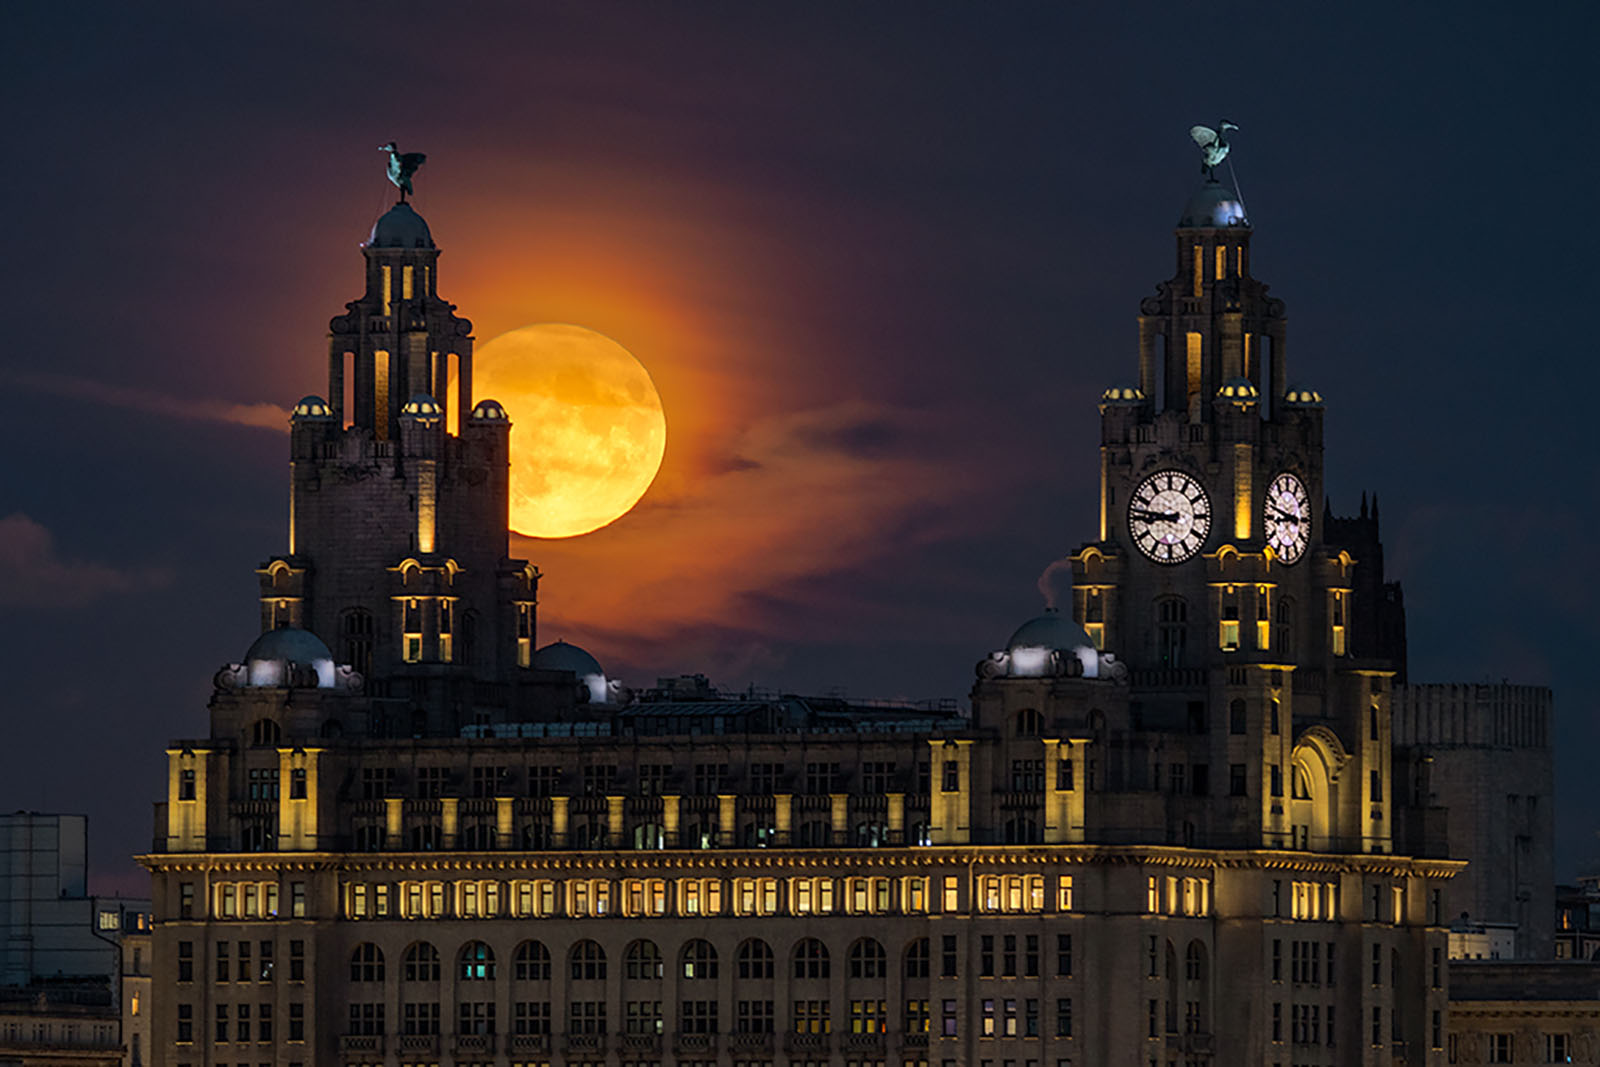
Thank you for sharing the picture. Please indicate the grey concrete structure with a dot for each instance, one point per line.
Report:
(1482, 752)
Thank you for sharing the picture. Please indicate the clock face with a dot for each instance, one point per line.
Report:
(1169, 516)
(1286, 517)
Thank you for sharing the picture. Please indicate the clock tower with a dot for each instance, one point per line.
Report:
(1243, 611)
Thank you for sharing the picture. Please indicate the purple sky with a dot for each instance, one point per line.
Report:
(880, 259)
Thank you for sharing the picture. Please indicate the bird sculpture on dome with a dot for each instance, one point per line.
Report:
(1213, 146)
(403, 166)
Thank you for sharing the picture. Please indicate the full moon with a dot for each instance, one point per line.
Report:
(587, 429)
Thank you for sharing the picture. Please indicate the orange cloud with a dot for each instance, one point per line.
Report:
(33, 574)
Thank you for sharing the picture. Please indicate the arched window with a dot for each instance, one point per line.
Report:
(755, 958)
(642, 961)
(355, 639)
(477, 963)
(699, 960)
(264, 733)
(366, 963)
(370, 837)
(1194, 959)
(531, 963)
(649, 835)
(810, 959)
(588, 962)
(918, 959)
(421, 963)
(868, 960)
(871, 834)
(1028, 723)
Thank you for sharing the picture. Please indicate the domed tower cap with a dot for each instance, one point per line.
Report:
(1300, 396)
(1122, 394)
(312, 408)
(1053, 631)
(1240, 391)
(278, 655)
(400, 227)
(489, 411)
(1214, 206)
(561, 656)
(422, 408)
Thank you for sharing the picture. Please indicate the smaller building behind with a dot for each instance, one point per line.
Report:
(1524, 1012)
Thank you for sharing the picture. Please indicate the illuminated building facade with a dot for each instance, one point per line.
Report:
(1165, 832)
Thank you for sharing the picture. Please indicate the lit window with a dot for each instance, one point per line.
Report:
(1064, 893)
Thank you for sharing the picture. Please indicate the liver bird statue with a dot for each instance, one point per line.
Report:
(402, 167)
(1213, 146)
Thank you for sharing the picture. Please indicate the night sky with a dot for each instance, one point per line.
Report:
(880, 259)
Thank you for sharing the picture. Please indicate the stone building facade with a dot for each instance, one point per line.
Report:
(1164, 832)
(1524, 1012)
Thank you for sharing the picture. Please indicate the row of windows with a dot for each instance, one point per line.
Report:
(1008, 956)
(999, 1018)
(243, 965)
(1174, 895)
(819, 778)
(244, 1026)
(811, 895)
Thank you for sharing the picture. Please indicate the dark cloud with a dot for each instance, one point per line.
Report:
(34, 574)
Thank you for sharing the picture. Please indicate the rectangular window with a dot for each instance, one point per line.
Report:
(1064, 775)
(1236, 779)
(755, 1017)
(812, 1017)
(297, 961)
(1222, 261)
(948, 956)
(952, 894)
(1375, 786)
(297, 1022)
(952, 776)
(1064, 1017)
(917, 1018)
(185, 961)
(947, 1018)
(185, 1024)
(868, 1017)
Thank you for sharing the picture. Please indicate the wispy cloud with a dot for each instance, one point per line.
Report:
(261, 416)
(801, 495)
(34, 574)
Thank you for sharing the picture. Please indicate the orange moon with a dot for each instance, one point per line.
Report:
(587, 428)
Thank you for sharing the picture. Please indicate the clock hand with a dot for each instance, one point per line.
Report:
(1148, 516)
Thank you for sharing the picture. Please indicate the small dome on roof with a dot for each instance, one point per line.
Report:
(1213, 206)
(423, 408)
(1122, 394)
(490, 411)
(1051, 630)
(278, 654)
(1239, 390)
(1299, 396)
(564, 657)
(312, 407)
(400, 227)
